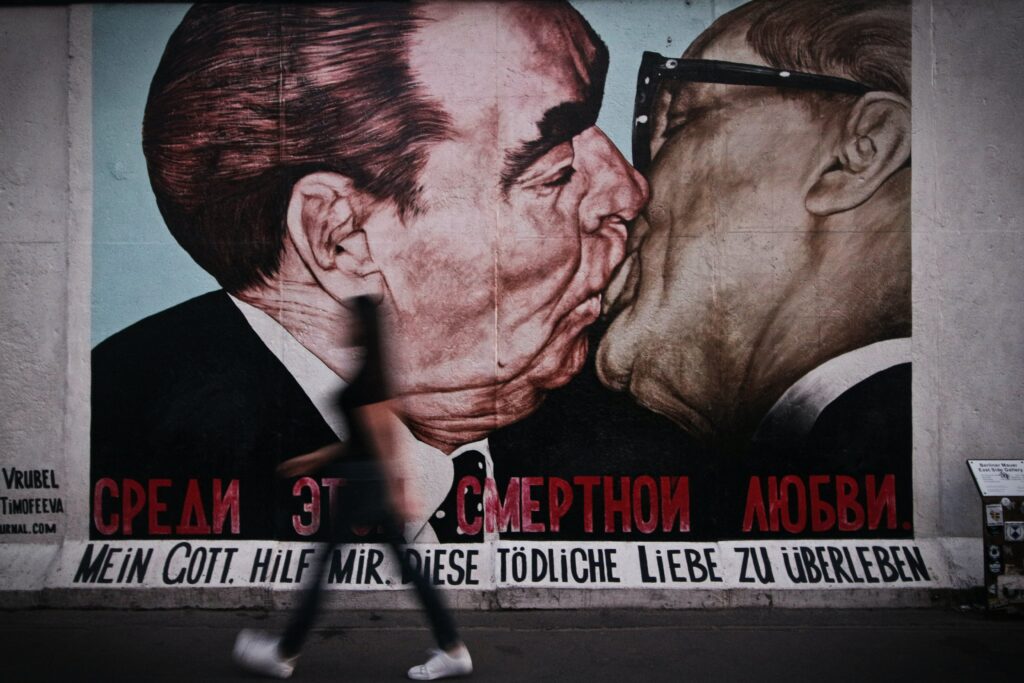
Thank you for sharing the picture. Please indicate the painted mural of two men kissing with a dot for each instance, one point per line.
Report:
(303, 155)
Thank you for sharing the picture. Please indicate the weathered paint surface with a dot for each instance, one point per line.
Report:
(967, 329)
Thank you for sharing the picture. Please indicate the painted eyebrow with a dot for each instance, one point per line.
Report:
(559, 124)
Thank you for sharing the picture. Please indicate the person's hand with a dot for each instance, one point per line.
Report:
(309, 462)
(407, 506)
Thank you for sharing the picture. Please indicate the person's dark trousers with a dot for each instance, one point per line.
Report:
(362, 501)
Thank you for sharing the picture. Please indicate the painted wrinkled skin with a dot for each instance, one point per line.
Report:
(734, 287)
(489, 289)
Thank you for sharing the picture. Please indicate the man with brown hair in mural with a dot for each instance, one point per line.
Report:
(303, 155)
(764, 305)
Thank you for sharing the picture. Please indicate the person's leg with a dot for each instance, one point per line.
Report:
(343, 515)
(441, 622)
(452, 657)
(275, 656)
(301, 620)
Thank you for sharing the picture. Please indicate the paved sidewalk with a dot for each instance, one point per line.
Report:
(599, 645)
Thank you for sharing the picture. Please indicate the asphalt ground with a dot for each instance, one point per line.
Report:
(594, 645)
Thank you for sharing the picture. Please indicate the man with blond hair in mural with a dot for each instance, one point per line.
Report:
(764, 305)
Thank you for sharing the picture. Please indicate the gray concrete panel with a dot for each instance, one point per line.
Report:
(967, 209)
(33, 118)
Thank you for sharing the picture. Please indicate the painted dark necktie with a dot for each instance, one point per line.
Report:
(445, 520)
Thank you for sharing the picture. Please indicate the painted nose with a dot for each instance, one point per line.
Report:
(617, 191)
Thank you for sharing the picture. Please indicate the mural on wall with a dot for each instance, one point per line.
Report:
(707, 341)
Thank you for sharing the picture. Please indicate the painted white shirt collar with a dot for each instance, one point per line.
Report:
(799, 407)
(429, 472)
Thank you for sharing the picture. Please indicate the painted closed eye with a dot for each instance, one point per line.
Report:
(550, 172)
(562, 178)
(682, 118)
(673, 126)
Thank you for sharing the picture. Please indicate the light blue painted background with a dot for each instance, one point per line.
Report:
(138, 268)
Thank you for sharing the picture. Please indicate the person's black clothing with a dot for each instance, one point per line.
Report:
(361, 504)
(364, 497)
(368, 386)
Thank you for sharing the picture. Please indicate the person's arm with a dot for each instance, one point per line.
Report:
(308, 463)
(379, 421)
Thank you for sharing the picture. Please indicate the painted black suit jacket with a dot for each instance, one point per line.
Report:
(585, 429)
(193, 393)
(865, 431)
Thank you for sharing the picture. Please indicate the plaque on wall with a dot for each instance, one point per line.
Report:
(998, 477)
(1001, 485)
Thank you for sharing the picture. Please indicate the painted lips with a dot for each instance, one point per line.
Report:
(581, 315)
(589, 309)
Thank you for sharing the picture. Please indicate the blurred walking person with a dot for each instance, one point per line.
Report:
(374, 495)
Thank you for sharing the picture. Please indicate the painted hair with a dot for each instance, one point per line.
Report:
(864, 40)
(247, 99)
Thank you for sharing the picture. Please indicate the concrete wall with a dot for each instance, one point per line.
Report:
(35, 214)
(968, 235)
(968, 286)
(967, 238)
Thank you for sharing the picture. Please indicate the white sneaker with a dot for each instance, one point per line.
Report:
(443, 665)
(257, 652)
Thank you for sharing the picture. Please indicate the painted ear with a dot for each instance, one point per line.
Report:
(322, 225)
(875, 143)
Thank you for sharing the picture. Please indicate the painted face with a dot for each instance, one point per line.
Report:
(718, 253)
(523, 218)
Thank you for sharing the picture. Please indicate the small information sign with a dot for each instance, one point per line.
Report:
(1001, 485)
(998, 477)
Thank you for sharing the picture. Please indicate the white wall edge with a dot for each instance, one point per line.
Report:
(79, 263)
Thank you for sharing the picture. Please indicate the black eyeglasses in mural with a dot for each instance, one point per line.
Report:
(656, 69)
